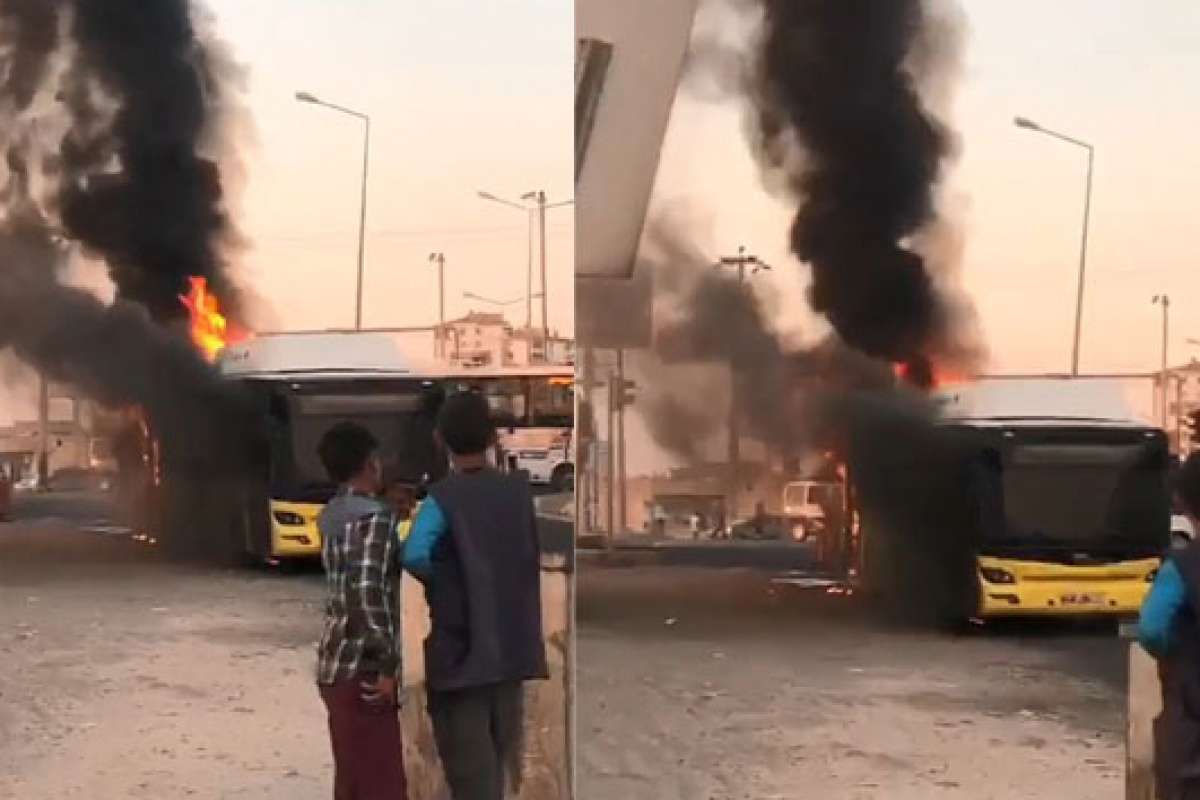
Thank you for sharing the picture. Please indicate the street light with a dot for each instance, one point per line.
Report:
(1164, 301)
(1030, 125)
(528, 212)
(439, 259)
(306, 97)
(534, 201)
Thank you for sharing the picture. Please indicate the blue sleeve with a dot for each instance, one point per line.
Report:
(1164, 601)
(427, 530)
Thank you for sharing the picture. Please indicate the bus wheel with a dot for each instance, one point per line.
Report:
(563, 478)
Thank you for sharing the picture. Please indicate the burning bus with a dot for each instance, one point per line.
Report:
(1039, 497)
(301, 384)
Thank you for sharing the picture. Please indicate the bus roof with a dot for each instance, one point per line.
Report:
(1041, 402)
(378, 354)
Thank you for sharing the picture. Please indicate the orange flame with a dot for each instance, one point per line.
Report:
(939, 376)
(211, 331)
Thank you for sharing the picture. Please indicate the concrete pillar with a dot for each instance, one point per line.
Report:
(546, 775)
(1145, 704)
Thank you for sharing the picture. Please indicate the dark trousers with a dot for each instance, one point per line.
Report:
(367, 759)
(479, 738)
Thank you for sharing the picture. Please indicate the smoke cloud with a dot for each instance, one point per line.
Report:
(113, 114)
(840, 115)
(159, 217)
(705, 316)
(842, 126)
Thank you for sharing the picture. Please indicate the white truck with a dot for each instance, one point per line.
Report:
(547, 455)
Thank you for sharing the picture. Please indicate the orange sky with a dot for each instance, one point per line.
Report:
(1115, 73)
(463, 96)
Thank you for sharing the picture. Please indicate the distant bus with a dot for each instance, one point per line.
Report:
(304, 383)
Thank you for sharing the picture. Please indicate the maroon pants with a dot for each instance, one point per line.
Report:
(367, 758)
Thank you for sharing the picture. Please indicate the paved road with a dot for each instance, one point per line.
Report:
(720, 684)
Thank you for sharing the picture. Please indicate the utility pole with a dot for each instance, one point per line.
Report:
(586, 447)
(43, 458)
(362, 222)
(440, 260)
(739, 262)
(622, 479)
(541, 210)
(610, 467)
(1179, 415)
(1164, 301)
(529, 212)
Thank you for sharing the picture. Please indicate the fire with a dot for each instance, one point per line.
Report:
(926, 375)
(211, 331)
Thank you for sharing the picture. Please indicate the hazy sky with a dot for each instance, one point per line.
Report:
(1124, 76)
(1121, 75)
(463, 96)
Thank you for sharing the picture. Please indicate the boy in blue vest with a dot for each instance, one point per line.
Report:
(1169, 629)
(474, 546)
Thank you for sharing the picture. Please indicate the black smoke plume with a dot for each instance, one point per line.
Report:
(836, 79)
(707, 317)
(909, 475)
(111, 114)
(159, 217)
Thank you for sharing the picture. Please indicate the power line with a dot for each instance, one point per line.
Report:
(444, 235)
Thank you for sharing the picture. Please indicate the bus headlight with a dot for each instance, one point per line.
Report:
(288, 518)
(993, 575)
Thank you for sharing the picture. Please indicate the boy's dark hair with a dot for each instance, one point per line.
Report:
(345, 449)
(465, 424)
(1187, 484)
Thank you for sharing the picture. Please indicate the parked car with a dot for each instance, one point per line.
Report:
(768, 527)
(78, 479)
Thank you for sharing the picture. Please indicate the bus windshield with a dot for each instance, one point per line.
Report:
(400, 420)
(1075, 494)
(401, 415)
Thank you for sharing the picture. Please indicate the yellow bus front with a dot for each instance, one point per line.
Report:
(294, 533)
(1019, 587)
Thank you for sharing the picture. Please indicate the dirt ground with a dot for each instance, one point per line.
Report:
(124, 677)
(719, 685)
(127, 678)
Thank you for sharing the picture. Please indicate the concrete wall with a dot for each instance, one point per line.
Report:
(546, 773)
(1145, 704)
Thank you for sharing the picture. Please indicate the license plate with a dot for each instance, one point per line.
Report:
(1083, 599)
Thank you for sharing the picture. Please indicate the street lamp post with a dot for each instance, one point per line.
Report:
(440, 260)
(1028, 124)
(1164, 301)
(535, 201)
(305, 97)
(528, 212)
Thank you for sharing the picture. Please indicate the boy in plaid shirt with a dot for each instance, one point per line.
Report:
(359, 654)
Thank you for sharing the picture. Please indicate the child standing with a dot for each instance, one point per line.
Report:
(474, 546)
